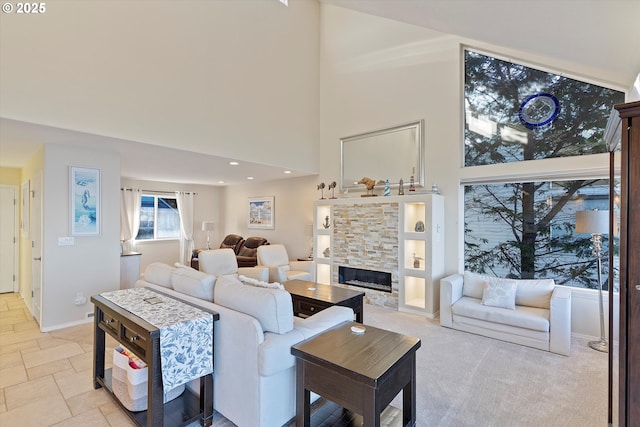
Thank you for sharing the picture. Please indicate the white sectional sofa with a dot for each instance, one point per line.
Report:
(254, 371)
(539, 316)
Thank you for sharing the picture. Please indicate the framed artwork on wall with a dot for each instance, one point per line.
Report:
(84, 195)
(26, 205)
(261, 213)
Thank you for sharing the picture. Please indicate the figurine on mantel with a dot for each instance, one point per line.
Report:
(387, 188)
(401, 188)
(332, 187)
(369, 183)
(321, 188)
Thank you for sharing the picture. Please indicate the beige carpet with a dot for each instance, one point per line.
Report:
(469, 380)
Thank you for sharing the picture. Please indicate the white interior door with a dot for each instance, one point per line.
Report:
(36, 246)
(8, 238)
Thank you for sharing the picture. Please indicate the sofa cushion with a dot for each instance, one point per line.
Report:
(193, 282)
(271, 307)
(500, 294)
(529, 292)
(536, 319)
(159, 273)
(473, 284)
(535, 293)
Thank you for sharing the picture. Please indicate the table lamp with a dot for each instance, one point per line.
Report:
(208, 227)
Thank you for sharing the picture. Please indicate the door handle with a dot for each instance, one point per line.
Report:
(637, 287)
(37, 259)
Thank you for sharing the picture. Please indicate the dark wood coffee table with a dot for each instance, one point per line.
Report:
(360, 372)
(309, 298)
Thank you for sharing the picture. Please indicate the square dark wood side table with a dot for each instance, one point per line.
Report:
(360, 372)
(308, 298)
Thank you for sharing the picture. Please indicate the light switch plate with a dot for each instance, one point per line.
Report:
(66, 241)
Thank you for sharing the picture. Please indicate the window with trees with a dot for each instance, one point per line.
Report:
(516, 113)
(159, 218)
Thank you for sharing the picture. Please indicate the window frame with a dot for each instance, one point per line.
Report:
(155, 238)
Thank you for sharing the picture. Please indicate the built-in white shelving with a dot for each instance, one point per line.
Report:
(420, 250)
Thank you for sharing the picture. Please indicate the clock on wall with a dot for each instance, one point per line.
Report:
(538, 110)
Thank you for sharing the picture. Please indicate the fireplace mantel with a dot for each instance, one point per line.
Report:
(384, 234)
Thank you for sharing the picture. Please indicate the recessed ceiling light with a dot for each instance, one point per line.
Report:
(220, 182)
(287, 171)
(249, 177)
(234, 163)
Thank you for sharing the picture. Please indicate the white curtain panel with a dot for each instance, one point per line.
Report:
(129, 217)
(185, 209)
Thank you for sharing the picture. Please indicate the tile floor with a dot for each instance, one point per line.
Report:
(45, 378)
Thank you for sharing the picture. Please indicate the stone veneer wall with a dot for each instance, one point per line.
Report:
(365, 235)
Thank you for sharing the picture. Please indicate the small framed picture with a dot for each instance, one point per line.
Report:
(84, 194)
(261, 213)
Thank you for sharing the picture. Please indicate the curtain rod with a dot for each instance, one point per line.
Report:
(161, 192)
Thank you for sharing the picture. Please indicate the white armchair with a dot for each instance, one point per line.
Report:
(222, 262)
(281, 269)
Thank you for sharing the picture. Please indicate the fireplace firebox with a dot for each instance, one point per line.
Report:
(368, 279)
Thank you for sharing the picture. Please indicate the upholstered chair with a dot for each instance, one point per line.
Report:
(232, 241)
(247, 256)
(222, 262)
(281, 268)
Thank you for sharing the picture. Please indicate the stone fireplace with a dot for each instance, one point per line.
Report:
(365, 237)
(378, 240)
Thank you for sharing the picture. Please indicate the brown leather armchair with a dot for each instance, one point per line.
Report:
(232, 241)
(247, 255)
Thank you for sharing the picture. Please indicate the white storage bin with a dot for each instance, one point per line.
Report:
(130, 385)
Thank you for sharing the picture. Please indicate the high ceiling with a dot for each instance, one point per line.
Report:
(601, 35)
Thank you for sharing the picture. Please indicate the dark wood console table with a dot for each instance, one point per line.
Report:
(309, 298)
(360, 372)
(143, 339)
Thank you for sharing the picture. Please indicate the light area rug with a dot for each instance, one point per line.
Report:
(469, 380)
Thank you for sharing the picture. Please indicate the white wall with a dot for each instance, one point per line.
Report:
(377, 73)
(208, 205)
(92, 264)
(293, 212)
(217, 77)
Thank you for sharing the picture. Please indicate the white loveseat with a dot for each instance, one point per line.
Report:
(541, 317)
(254, 371)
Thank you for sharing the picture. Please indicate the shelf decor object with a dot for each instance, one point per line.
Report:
(208, 226)
(596, 223)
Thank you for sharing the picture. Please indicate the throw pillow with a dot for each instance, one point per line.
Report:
(254, 282)
(500, 294)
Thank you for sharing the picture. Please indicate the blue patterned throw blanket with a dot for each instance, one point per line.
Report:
(186, 333)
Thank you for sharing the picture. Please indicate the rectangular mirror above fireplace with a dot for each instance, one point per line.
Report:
(393, 153)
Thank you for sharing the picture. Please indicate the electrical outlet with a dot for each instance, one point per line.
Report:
(80, 299)
(66, 241)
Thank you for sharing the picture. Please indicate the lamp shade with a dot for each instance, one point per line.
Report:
(592, 222)
(207, 225)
